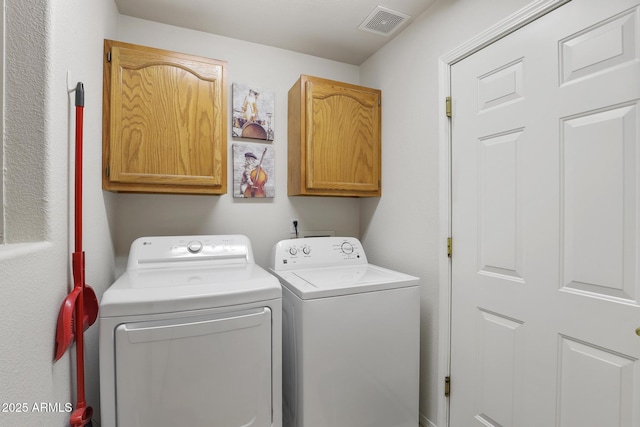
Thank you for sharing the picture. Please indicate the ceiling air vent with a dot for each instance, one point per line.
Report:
(384, 21)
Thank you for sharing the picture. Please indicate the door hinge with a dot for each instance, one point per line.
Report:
(107, 171)
(447, 386)
(449, 247)
(447, 106)
(109, 56)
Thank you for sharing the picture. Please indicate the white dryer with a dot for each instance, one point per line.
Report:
(350, 336)
(190, 335)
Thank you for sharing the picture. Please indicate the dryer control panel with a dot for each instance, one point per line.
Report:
(166, 251)
(313, 252)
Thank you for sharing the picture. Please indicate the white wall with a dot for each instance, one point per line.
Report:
(266, 221)
(43, 42)
(406, 218)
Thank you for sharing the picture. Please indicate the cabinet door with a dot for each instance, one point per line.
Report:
(165, 121)
(343, 137)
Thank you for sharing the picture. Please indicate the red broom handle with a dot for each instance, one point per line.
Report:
(78, 183)
(82, 414)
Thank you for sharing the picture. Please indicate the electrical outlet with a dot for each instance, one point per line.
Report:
(292, 228)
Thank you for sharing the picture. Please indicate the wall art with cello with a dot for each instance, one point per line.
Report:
(253, 170)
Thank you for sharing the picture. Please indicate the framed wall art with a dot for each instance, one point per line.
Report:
(252, 112)
(253, 170)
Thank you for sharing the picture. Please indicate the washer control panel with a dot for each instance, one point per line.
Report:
(315, 252)
(159, 251)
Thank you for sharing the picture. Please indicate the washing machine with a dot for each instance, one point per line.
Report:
(190, 335)
(350, 336)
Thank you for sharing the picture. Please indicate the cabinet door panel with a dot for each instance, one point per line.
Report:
(342, 137)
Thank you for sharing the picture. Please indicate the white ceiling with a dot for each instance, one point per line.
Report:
(323, 28)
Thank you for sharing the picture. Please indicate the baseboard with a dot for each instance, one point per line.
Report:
(424, 422)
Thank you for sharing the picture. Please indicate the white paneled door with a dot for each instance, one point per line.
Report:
(546, 223)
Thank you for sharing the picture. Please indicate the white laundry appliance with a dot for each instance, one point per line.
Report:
(350, 334)
(190, 335)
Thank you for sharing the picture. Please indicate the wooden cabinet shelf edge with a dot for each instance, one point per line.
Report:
(164, 121)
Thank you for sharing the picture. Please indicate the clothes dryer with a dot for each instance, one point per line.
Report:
(350, 336)
(190, 335)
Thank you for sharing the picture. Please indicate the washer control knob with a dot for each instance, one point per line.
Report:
(293, 251)
(194, 246)
(347, 248)
(306, 250)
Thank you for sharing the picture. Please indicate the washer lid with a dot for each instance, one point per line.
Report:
(335, 281)
(170, 290)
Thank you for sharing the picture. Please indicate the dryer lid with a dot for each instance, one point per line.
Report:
(335, 281)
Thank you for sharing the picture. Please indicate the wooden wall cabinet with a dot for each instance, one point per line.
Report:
(334, 139)
(164, 121)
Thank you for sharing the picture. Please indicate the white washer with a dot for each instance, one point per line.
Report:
(190, 335)
(350, 335)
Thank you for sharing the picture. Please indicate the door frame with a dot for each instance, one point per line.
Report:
(508, 25)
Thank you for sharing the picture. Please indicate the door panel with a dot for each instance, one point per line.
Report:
(599, 170)
(199, 371)
(499, 365)
(595, 386)
(545, 223)
(500, 217)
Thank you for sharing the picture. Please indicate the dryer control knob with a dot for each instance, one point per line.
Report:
(293, 251)
(347, 248)
(194, 246)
